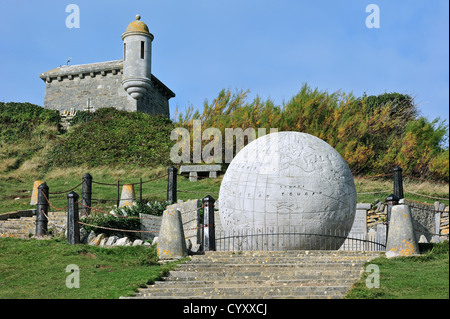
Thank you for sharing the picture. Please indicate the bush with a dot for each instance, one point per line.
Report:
(19, 120)
(113, 137)
(123, 218)
(372, 133)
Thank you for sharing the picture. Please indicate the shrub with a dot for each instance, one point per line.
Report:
(123, 218)
(372, 133)
(113, 137)
(19, 120)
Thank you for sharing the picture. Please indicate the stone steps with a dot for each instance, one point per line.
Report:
(265, 275)
(244, 291)
(260, 275)
(240, 283)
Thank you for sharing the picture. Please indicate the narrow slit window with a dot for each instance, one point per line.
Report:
(142, 49)
(124, 51)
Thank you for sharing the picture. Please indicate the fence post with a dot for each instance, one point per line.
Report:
(86, 195)
(118, 194)
(398, 182)
(140, 190)
(42, 210)
(73, 228)
(172, 184)
(209, 234)
(391, 200)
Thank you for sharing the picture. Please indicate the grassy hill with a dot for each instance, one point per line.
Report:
(116, 145)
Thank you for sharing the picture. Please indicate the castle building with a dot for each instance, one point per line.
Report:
(126, 84)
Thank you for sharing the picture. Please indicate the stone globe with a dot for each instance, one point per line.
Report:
(287, 190)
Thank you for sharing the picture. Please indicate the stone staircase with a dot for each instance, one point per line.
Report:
(260, 275)
(25, 227)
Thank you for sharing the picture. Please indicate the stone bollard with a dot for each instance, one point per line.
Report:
(128, 196)
(171, 242)
(401, 240)
(34, 194)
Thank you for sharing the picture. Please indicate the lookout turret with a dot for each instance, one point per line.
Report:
(137, 58)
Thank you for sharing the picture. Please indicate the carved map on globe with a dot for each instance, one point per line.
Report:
(288, 181)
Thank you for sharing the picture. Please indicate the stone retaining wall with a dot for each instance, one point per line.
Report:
(428, 219)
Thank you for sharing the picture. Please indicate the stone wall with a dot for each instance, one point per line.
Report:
(151, 225)
(428, 219)
(190, 211)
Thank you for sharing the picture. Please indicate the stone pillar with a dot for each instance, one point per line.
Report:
(401, 240)
(34, 194)
(128, 195)
(171, 242)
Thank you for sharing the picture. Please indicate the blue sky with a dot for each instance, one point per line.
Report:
(268, 47)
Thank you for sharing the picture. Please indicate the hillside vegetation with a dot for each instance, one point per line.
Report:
(372, 133)
(112, 137)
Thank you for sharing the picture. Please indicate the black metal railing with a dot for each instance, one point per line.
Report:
(294, 238)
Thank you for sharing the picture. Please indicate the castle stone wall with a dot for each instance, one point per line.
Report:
(70, 87)
(102, 90)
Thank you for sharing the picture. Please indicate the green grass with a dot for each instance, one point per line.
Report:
(36, 269)
(15, 188)
(420, 277)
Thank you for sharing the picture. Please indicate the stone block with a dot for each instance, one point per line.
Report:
(151, 225)
(401, 239)
(423, 239)
(124, 241)
(190, 218)
(171, 242)
(97, 240)
(111, 240)
(137, 242)
(365, 206)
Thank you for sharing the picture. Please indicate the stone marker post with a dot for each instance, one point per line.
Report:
(86, 194)
(401, 240)
(34, 194)
(73, 228)
(398, 182)
(42, 210)
(172, 185)
(128, 196)
(171, 242)
(209, 235)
